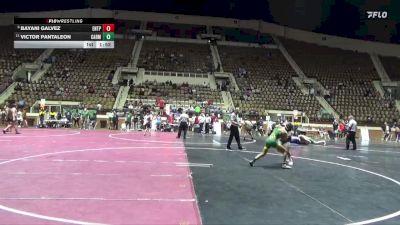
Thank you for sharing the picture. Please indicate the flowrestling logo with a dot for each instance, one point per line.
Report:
(377, 14)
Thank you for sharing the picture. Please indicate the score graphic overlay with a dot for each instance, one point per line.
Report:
(96, 33)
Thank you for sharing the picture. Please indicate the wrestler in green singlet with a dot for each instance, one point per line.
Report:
(274, 141)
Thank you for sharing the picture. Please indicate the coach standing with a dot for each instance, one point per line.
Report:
(351, 133)
(234, 130)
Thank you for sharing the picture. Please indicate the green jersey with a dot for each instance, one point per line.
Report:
(92, 115)
(129, 117)
(275, 133)
(272, 140)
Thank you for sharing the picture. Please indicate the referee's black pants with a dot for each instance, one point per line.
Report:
(183, 126)
(234, 133)
(351, 136)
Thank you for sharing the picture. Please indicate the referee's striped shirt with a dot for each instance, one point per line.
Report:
(234, 119)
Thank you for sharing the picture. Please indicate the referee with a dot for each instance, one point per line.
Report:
(183, 125)
(234, 131)
(351, 133)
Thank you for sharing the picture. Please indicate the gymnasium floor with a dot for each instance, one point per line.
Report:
(104, 177)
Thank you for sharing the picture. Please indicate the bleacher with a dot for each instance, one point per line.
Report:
(392, 67)
(180, 57)
(264, 76)
(242, 35)
(176, 30)
(11, 58)
(80, 75)
(174, 93)
(348, 76)
(126, 26)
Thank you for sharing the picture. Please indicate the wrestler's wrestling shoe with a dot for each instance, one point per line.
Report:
(289, 161)
(286, 166)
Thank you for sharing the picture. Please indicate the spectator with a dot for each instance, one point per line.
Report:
(342, 129)
(91, 89)
(207, 123)
(85, 119)
(110, 76)
(260, 126)
(18, 87)
(99, 107)
(19, 118)
(158, 122)
(68, 116)
(327, 94)
(128, 121)
(335, 126)
(312, 91)
(115, 120)
(42, 113)
(136, 121)
(202, 120)
(3, 115)
(319, 115)
(351, 133)
(389, 91)
(161, 104)
(386, 131)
